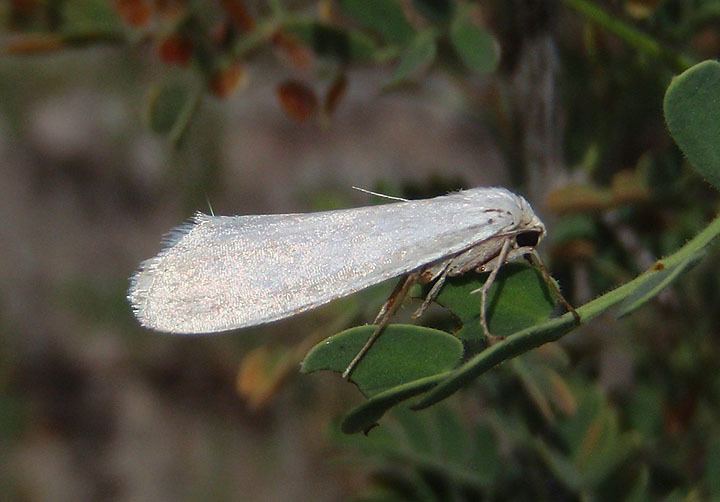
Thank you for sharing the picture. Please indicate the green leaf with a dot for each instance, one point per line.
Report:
(640, 492)
(451, 436)
(333, 43)
(365, 417)
(519, 298)
(661, 278)
(475, 469)
(171, 107)
(474, 45)
(89, 17)
(417, 57)
(553, 329)
(486, 457)
(415, 431)
(513, 346)
(692, 113)
(404, 353)
(439, 11)
(384, 16)
(594, 445)
(645, 410)
(442, 385)
(573, 227)
(712, 468)
(560, 465)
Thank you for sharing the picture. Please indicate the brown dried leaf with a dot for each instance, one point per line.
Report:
(176, 49)
(239, 15)
(34, 43)
(293, 50)
(591, 440)
(262, 373)
(641, 9)
(136, 13)
(629, 187)
(577, 198)
(170, 9)
(228, 80)
(560, 394)
(574, 250)
(298, 101)
(335, 93)
(23, 8)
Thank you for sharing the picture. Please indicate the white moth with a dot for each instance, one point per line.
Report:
(218, 273)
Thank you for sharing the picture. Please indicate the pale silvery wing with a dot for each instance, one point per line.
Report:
(219, 273)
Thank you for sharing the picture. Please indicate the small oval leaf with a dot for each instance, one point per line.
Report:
(474, 45)
(692, 113)
(383, 16)
(298, 100)
(176, 49)
(167, 105)
(518, 299)
(136, 13)
(404, 353)
(438, 11)
(417, 57)
(228, 79)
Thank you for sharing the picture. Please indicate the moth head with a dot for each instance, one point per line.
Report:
(529, 238)
(531, 234)
(530, 230)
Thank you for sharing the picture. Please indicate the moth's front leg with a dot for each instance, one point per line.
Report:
(486, 256)
(534, 258)
(457, 265)
(501, 258)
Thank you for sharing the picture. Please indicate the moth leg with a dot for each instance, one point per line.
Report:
(534, 258)
(435, 290)
(501, 257)
(512, 254)
(383, 318)
(385, 306)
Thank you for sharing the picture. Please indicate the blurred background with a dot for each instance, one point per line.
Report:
(119, 119)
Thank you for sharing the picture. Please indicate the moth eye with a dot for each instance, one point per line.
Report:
(527, 239)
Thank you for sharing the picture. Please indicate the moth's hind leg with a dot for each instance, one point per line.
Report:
(383, 318)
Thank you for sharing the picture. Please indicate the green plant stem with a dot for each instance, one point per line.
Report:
(179, 130)
(554, 329)
(362, 418)
(629, 34)
(438, 387)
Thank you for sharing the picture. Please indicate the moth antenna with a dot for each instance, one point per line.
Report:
(210, 208)
(382, 195)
